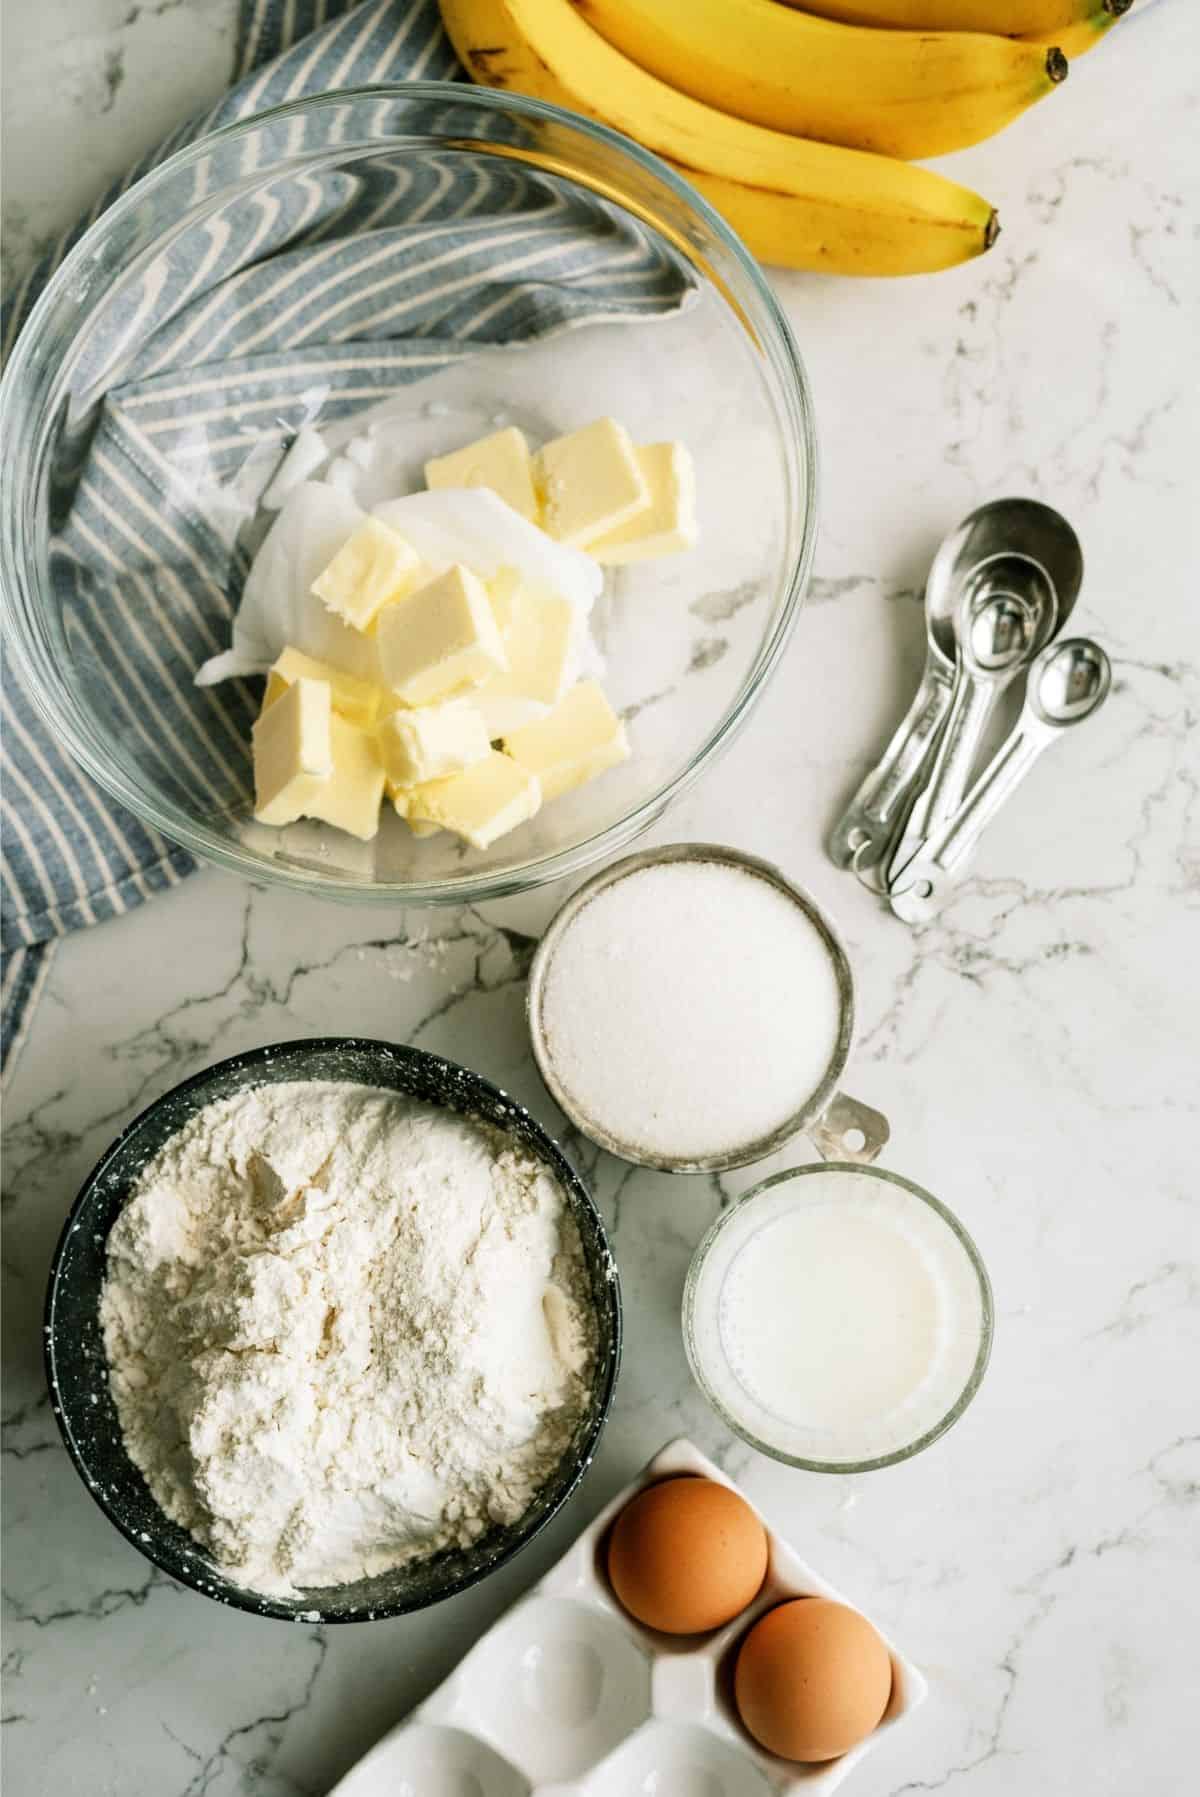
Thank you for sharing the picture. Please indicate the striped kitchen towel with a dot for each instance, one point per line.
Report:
(329, 291)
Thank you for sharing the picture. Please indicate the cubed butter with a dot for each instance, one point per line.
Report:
(581, 738)
(482, 803)
(539, 635)
(377, 565)
(430, 741)
(504, 713)
(439, 639)
(351, 797)
(401, 798)
(293, 752)
(500, 462)
(589, 483)
(669, 523)
(357, 700)
(502, 590)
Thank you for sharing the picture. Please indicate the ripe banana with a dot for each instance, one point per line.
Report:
(899, 93)
(1007, 18)
(1079, 37)
(805, 205)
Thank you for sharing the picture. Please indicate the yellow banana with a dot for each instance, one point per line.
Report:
(833, 234)
(1006, 18)
(1079, 37)
(805, 205)
(899, 93)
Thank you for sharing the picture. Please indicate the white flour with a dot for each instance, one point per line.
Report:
(345, 1329)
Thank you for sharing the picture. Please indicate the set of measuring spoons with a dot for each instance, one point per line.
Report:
(1000, 590)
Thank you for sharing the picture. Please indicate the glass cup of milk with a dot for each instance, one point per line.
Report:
(691, 1010)
(838, 1318)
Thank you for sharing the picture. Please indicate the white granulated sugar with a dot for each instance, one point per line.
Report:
(344, 1329)
(690, 1009)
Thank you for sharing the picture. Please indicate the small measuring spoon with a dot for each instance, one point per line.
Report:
(869, 823)
(1068, 682)
(1008, 612)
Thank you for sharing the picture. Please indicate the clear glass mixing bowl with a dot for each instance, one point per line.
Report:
(688, 642)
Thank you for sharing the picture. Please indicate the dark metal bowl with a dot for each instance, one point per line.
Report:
(77, 1369)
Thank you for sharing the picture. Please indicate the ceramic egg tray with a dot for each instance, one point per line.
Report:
(568, 1696)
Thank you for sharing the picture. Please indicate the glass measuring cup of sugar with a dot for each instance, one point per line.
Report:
(691, 1009)
(838, 1318)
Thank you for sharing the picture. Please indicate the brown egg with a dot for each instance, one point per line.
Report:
(812, 1679)
(687, 1555)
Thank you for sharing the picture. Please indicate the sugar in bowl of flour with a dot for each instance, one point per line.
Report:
(692, 1010)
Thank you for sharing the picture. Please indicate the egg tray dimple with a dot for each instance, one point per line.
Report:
(568, 1696)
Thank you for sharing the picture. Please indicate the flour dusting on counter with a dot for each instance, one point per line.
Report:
(345, 1330)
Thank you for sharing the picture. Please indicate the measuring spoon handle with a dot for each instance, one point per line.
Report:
(966, 721)
(861, 835)
(930, 872)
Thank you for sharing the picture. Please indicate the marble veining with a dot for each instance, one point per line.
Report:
(1035, 1049)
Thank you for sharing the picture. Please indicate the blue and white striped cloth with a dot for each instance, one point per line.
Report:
(352, 285)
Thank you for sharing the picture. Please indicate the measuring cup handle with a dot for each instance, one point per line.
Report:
(844, 1116)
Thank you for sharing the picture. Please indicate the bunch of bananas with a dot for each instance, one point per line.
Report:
(798, 127)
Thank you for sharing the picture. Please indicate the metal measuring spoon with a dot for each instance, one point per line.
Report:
(1008, 612)
(869, 823)
(1068, 682)
(862, 833)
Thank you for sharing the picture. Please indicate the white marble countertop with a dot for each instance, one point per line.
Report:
(1037, 1050)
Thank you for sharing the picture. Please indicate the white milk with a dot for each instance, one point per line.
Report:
(690, 1008)
(836, 1317)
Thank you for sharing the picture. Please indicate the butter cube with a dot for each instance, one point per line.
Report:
(669, 524)
(293, 752)
(589, 483)
(431, 741)
(356, 700)
(482, 803)
(504, 713)
(402, 797)
(500, 462)
(374, 567)
(350, 798)
(539, 634)
(581, 738)
(502, 590)
(442, 637)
